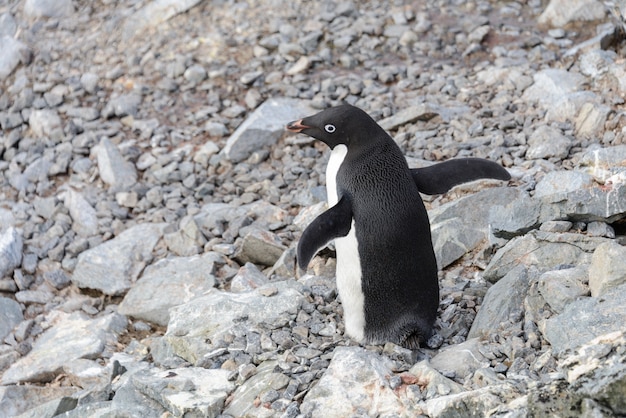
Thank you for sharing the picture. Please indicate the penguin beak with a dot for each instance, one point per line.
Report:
(296, 126)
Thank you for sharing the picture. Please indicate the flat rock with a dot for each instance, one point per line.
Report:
(516, 218)
(548, 142)
(433, 382)
(502, 299)
(8, 25)
(559, 288)
(461, 225)
(356, 380)
(479, 401)
(207, 318)
(553, 85)
(12, 52)
(597, 203)
(10, 316)
(585, 319)
(44, 121)
(84, 217)
(265, 379)
(608, 268)
(124, 105)
(420, 112)
(154, 13)
(260, 247)
(167, 283)
(19, 399)
(590, 120)
(462, 359)
(48, 8)
(603, 163)
(562, 181)
(112, 167)
(189, 391)
(72, 336)
(248, 278)
(545, 251)
(131, 251)
(561, 12)
(264, 127)
(11, 245)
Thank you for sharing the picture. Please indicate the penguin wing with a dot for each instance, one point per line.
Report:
(441, 177)
(335, 222)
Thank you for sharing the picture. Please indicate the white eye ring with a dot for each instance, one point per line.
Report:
(330, 128)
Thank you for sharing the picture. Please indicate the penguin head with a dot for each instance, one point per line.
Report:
(345, 124)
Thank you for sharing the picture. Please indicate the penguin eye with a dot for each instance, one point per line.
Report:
(330, 128)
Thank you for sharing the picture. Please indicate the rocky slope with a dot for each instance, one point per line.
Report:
(150, 204)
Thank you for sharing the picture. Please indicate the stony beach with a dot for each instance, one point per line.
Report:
(151, 202)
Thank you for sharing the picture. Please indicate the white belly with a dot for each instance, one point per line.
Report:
(348, 259)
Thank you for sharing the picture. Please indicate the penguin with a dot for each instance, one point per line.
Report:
(386, 267)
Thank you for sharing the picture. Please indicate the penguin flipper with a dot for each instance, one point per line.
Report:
(335, 222)
(441, 177)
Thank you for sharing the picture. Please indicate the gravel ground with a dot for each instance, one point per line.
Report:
(120, 116)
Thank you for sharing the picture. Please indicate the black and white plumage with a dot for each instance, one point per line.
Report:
(386, 267)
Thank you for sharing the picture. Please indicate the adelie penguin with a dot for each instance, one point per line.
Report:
(386, 267)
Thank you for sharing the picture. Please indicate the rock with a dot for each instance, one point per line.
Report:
(89, 81)
(420, 112)
(113, 168)
(248, 278)
(48, 8)
(608, 268)
(604, 204)
(537, 249)
(479, 401)
(516, 218)
(194, 325)
(461, 225)
(10, 316)
(125, 105)
(167, 283)
(559, 13)
(51, 408)
(84, 217)
(356, 380)
(600, 229)
(43, 122)
(8, 26)
(260, 247)
(591, 384)
(195, 74)
(19, 399)
(189, 391)
(501, 300)
(552, 86)
(73, 336)
(556, 182)
(205, 152)
(603, 163)
(585, 319)
(131, 251)
(12, 52)
(11, 245)
(548, 142)
(559, 288)
(590, 121)
(188, 240)
(462, 359)
(154, 13)
(245, 397)
(264, 127)
(434, 383)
